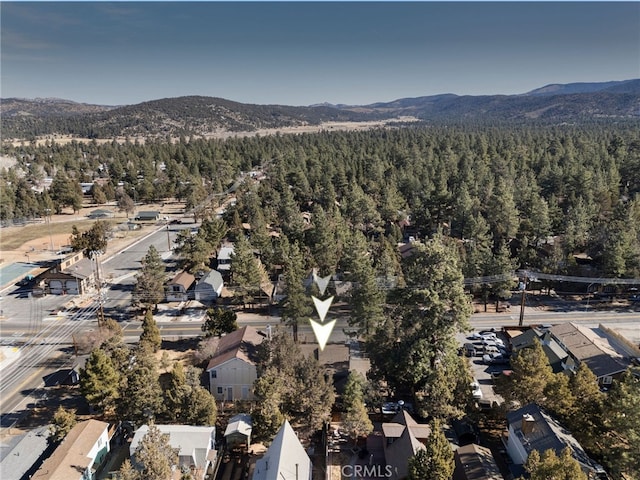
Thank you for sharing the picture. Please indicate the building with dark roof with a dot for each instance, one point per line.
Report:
(403, 438)
(530, 428)
(584, 345)
(232, 369)
(474, 462)
(552, 349)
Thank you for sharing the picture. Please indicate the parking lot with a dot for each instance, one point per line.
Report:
(482, 371)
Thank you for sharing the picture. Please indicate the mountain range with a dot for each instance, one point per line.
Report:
(199, 115)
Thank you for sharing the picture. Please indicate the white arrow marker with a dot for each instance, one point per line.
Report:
(322, 282)
(322, 306)
(323, 332)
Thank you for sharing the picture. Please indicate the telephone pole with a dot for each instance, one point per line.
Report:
(94, 254)
(523, 288)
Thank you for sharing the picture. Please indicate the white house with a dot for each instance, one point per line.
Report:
(196, 446)
(232, 370)
(209, 287)
(224, 258)
(79, 455)
(285, 458)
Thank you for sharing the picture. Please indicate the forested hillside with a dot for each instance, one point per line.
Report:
(510, 197)
(202, 116)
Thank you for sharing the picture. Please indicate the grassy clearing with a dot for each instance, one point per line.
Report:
(13, 238)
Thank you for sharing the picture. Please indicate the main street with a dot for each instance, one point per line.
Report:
(41, 329)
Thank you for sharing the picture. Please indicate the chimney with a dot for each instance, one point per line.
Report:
(528, 423)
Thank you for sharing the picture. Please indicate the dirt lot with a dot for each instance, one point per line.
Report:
(39, 241)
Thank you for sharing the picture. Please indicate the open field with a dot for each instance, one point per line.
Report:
(40, 241)
(327, 126)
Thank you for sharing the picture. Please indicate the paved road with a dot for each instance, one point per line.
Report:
(41, 328)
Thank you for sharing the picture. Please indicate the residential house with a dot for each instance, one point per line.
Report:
(195, 445)
(285, 458)
(530, 428)
(79, 455)
(598, 352)
(403, 438)
(238, 431)
(474, 462)
(209, 287)
(224, 258)
(178, 287)
(232, 369)
(148, 216)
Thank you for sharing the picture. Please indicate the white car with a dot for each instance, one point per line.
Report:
(476, 391)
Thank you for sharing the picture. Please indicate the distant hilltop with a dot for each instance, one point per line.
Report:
(200, 115)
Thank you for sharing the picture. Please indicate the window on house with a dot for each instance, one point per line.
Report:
(220, 390)
(607, 380)
(214, 374)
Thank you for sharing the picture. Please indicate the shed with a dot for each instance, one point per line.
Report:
(238, 432)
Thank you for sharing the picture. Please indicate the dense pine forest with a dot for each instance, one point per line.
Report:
(512, 197)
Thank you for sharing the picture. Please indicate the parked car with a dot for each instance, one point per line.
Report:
(495, 359)
(494, 342)
(487, 358)
(491, 350)
(470, 349)
(25, 281)
(476, 391)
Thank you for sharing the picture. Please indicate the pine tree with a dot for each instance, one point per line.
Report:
(219, 321)
(127, 472)
(141, 395)
(246, 273)
(155, 455)
(149, 288)
(297, 304)
(435, 462)
(531, 375)
(355, 419)
(63, 421)
(99, 380)
(150, 332)
(549, 466)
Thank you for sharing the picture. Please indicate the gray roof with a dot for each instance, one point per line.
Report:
(586, 346)
(241, 423)
(225, 252)
(193, 442)
(212, 278)
(284, 459)
(474, 462)
(546, 433)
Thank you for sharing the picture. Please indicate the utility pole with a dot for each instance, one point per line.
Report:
(94, 256)
(523, 289)
(168, 239)
(48, 218)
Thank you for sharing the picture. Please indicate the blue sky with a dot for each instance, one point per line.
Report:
(306, 53)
